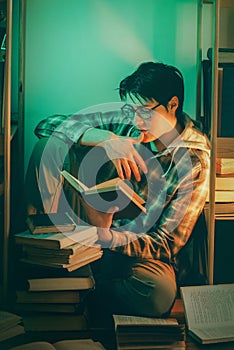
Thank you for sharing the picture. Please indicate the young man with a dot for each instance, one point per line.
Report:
(153, 143)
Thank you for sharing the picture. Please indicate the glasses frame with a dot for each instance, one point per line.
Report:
(142, 111)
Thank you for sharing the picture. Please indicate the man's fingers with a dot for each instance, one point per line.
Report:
(139, 160)
(127, 168)
(118, 166)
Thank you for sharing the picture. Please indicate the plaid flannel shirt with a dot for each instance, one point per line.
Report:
(175, 188)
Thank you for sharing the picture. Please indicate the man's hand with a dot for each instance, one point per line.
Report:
(101, 220)
(120, 150)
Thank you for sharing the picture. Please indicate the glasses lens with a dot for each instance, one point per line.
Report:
(128, 111)
(144, 113)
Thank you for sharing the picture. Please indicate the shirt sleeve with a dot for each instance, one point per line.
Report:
(176, 222)
(70, 128)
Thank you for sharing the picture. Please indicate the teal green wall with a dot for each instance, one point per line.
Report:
(77, 51)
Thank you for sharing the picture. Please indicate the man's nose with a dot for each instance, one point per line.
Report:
(139, 120)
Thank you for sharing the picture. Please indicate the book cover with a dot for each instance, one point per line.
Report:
(114, 192)
(209, 312)
(48, 297)
(85, 252)
(57, 240)
(51, 322)
(224, 182)
(83, 260)
(50, 223)
(225, 166)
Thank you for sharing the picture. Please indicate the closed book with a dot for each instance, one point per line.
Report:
(225, 166)
(84, 252)
(223, 196)
(224, 183)
(68, 251)
(53, 322)
(8, 319)
(57, 240)
(50, 223)
(56, 308)
(48, 297)
(84, 260)
(60, 283)
(11, 332)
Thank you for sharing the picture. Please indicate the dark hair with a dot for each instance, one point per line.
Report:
(154, 80)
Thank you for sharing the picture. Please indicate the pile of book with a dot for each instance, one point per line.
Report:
(54, 276)
(224, 187)
(56, 242)
(134, 332)
(10, 325)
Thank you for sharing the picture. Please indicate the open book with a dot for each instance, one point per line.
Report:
(136, 332)
(209, 312)
(77, 344)
(114, 192)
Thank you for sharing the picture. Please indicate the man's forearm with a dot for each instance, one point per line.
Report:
(93, 137)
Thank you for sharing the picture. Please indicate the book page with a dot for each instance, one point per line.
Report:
(215, 333)
(207, 306)
(78, 344)
(142, 321)
(39, 345)
(73, 181)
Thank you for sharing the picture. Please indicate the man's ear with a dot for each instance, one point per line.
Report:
(173, 103)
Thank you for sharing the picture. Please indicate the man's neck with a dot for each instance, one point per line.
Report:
(166, 139)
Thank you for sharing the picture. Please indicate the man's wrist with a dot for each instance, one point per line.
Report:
(104, 235)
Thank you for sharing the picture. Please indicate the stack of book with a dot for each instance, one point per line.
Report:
(134, 332)
(224, 187)
(10, 325)
(64, 250)
(55, 277)
(53, 300)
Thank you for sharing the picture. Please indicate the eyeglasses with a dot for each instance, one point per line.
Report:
(143, 112)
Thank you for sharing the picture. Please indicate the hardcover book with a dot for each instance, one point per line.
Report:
(114, 192)
(57, 240)
(50, 223)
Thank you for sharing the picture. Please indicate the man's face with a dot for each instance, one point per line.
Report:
(158, 122)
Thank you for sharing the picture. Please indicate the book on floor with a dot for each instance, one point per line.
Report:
(135, 332)
(49, 297)
(56, 257)
(76, 344)
(38, 278)
(50, 223)
(114, 192)
(81, 261)
(209, 312)
(53, 322)
(57, 240)
(10, 325)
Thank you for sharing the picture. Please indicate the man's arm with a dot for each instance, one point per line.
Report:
(119, 149)
(175, 225)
